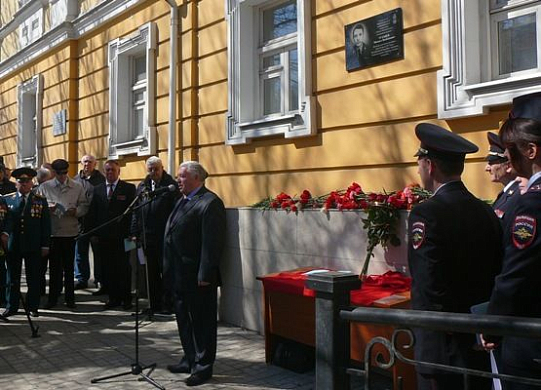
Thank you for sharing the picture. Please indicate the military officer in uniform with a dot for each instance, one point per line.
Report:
(29, 240)
(454, 253)
(501, 171)
(516, 291)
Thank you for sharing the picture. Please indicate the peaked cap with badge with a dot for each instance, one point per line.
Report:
(454, 250)
(495, 149)
(527, 107)
(24, 174)
(443, 144)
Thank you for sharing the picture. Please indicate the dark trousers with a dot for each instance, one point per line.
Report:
(117, 277)
(61, 256)
(42, 280)
(196, 313)
(154, 267)
(520, 357)
(32, 265)
(3, 281)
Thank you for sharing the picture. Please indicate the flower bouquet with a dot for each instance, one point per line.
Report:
(382, 210)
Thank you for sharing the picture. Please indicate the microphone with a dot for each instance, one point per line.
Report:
(163, 190)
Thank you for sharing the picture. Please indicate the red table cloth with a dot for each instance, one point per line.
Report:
(373, 288)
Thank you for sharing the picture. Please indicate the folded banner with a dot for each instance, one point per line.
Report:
(373, 288)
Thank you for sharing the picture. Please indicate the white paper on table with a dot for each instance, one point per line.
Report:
(141, 256)
(316, 271)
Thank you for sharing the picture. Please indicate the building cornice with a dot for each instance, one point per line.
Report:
(84, 24)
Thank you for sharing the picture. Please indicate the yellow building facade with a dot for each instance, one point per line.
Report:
(262, 96)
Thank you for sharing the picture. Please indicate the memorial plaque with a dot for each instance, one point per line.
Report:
(375, 40)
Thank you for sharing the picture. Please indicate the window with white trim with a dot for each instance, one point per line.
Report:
(269, 45)
(132, 64)
(31, 28)
(491, 54)
(30, 97)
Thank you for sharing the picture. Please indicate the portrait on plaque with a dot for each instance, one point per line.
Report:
(374, 40)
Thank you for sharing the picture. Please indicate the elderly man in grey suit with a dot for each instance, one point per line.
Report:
(193, 246)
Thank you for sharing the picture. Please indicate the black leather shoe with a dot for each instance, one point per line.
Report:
(179, 368)
(34, 313)
(198, 378)
(80, 285)
(112, 304)
(8, 313)
(101, 291)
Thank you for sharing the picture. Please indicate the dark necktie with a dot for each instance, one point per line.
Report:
(110, 191)
(23, 202)
(180, 204)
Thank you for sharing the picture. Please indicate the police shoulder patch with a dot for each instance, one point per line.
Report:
(417, 234)
(524, 230)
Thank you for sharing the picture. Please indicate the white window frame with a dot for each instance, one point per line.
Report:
(467, 63)
(30, 93)
(121, 53)
(245, 119)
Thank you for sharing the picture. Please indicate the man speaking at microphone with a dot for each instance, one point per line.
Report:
(194, 244)
(151, 219)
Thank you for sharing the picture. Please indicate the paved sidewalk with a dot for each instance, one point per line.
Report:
(76, 346)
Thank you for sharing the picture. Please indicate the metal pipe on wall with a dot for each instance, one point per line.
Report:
(175, 21)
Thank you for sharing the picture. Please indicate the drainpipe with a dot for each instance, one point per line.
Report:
(172, 86)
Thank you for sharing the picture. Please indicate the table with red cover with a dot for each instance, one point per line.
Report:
(289, 311)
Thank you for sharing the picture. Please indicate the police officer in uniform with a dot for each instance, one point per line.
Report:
(29, 240)
(501, 171)
(516, 291)
(454, 253)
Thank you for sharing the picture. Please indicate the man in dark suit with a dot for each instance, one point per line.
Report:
(151, 220)
(29, 241)
(110, 200)
(454, 253)
(516, 291)
(194, 243)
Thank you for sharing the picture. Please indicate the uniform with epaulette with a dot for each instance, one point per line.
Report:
(30, 236)
(516, 291)
(454, 252)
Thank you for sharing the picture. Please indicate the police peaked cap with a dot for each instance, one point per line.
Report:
(60, 165)
(527, 107)
(23, 173)
(495, 149)
(440, 143)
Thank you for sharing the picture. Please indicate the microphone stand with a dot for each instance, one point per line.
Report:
(136, 368)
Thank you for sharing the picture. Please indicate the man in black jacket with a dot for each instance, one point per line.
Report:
(148, 225)
(454, 253)
(194, 244)
(110, 200)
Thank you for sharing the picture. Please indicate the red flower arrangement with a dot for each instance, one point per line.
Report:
(382, 210)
